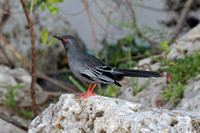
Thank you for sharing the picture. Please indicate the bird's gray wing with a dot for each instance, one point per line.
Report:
(95, 70)
(102, 74)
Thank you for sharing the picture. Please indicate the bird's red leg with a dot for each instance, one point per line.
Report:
(86, 91)
(89, 92)
(89, 87)
(93, 88)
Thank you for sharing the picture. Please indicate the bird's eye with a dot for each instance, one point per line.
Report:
(64, 40)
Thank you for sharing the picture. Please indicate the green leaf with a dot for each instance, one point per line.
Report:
(164, 45)
(35, 2)
(44, 36)
(52, 41)
(13, 87)
(7, 95)
(144, 85)
(28, 5)
(25, 114)
(55, 1)
(43, 7)
(53, 9)
(17, 87)
(172, 63)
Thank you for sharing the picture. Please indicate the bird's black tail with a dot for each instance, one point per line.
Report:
(137, 73)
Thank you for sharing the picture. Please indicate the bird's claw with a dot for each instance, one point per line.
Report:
(86, 95)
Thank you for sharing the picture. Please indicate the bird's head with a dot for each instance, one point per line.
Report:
(68, 41)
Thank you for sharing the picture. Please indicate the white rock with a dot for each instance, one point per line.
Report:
(9, 128)
(191, 99)
(5, 77)
(185, 45)
(155, 67)
(21, 75)
(100, 114)
(145, 61)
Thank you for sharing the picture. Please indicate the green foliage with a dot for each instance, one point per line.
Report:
(43, 7)
(51, 42)
(45, 3)
(147, 31)
(173, 91)
(144, 85)
(120, 49)
(26, 114)
(55, 1)
(155, 34)
(44, 37)
(181, 71)
(111, 91)
(164, 46)
(10, 102)
(35, 2)
(136, 90)
(53, 9)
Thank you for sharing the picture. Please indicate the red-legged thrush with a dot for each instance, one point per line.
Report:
(90, 69)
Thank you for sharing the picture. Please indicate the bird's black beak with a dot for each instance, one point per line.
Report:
(58, 37)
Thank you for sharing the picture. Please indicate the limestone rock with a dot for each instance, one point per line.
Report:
(191, 99)
(100, 114)
(185, 45)
(9, 128)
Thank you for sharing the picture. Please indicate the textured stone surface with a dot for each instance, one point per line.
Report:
(185, 44)
(100, 114)
(191, 96)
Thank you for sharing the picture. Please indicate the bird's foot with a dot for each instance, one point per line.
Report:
(86, 95)
(83, 94)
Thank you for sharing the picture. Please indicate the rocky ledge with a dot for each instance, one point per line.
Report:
(101, 114)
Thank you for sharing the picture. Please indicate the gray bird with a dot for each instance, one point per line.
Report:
(90, 69)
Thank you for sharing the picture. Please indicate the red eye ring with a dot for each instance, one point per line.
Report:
(64, 40)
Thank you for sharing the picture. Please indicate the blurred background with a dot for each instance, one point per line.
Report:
(33, 65)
